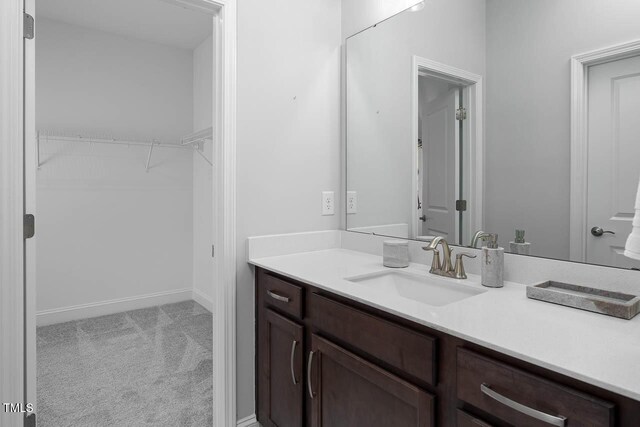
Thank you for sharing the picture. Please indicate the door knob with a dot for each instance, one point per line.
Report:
(423, 218)
(598, 231)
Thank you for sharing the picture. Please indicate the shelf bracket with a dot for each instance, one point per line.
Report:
(202, 155)
(149, 156)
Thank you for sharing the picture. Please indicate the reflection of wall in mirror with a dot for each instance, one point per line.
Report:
(529, 45)
(379, 99)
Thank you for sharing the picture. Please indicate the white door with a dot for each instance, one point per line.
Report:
(614, 159)
(439, 139)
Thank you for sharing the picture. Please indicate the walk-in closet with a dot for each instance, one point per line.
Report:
(124, 267)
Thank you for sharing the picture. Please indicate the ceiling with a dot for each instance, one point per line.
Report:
(158, 21)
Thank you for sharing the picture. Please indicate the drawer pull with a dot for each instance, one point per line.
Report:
(541, 416)
(309, 374)
(293, 354)
(277, 297)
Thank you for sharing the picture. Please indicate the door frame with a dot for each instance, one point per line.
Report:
(224, 286)
(473, 129)
(580, 139)
(12, 146)
(12, 386)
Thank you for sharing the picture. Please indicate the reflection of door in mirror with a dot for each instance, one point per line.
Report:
(613, 159)
(438, 159)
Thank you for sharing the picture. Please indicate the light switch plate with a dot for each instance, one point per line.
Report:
(352, 202)
(328, 204)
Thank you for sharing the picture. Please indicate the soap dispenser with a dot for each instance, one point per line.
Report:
(492, 262)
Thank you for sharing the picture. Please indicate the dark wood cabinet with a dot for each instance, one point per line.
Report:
(349, 391)
(281, 372)
(405, 349)
(327, 361)
(526, 400)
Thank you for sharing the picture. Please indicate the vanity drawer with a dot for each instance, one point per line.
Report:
(465, 420)
(402, 348)
(522, 399)
(281, 294)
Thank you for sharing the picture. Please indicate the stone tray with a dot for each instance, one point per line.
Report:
(600, 301)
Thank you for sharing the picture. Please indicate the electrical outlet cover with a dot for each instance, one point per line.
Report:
(352, 202)
(328, 205)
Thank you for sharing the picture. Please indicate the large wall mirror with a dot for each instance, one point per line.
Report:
(515, 117)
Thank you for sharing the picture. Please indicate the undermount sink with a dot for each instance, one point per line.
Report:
(425, 288)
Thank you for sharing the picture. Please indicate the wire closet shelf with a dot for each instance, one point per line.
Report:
(194, 142)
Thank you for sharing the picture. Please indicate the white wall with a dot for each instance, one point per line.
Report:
(379, 61)
(529, 45)
(108, 83)
(288, 142)
(106, 229)
(202, 172)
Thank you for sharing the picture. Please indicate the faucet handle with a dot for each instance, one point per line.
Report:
(467, 254)
(435, 263)
(459, 268)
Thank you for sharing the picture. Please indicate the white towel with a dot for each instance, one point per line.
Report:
(632, 248)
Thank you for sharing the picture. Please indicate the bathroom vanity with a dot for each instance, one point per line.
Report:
(334, 351)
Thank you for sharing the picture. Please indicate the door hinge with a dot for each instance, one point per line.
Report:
(213, 251)
(461, 205)
(30, 420)
(29, 26)
(29, 226)
(461, 113)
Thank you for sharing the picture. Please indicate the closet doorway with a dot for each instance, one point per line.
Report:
(121, 278)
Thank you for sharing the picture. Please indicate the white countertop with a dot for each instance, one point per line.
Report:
(594, 348)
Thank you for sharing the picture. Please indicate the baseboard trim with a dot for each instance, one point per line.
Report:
(203, 300)
(83, 311)
(250, 421)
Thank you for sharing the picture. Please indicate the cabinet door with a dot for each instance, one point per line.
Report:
(346, 390)
(280, 366)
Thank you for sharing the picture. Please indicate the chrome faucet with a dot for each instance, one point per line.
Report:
(444, 268)
(436, 266)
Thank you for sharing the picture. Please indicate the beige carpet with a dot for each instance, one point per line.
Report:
(148, 367)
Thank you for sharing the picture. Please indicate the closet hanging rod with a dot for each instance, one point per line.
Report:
(115, 141)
